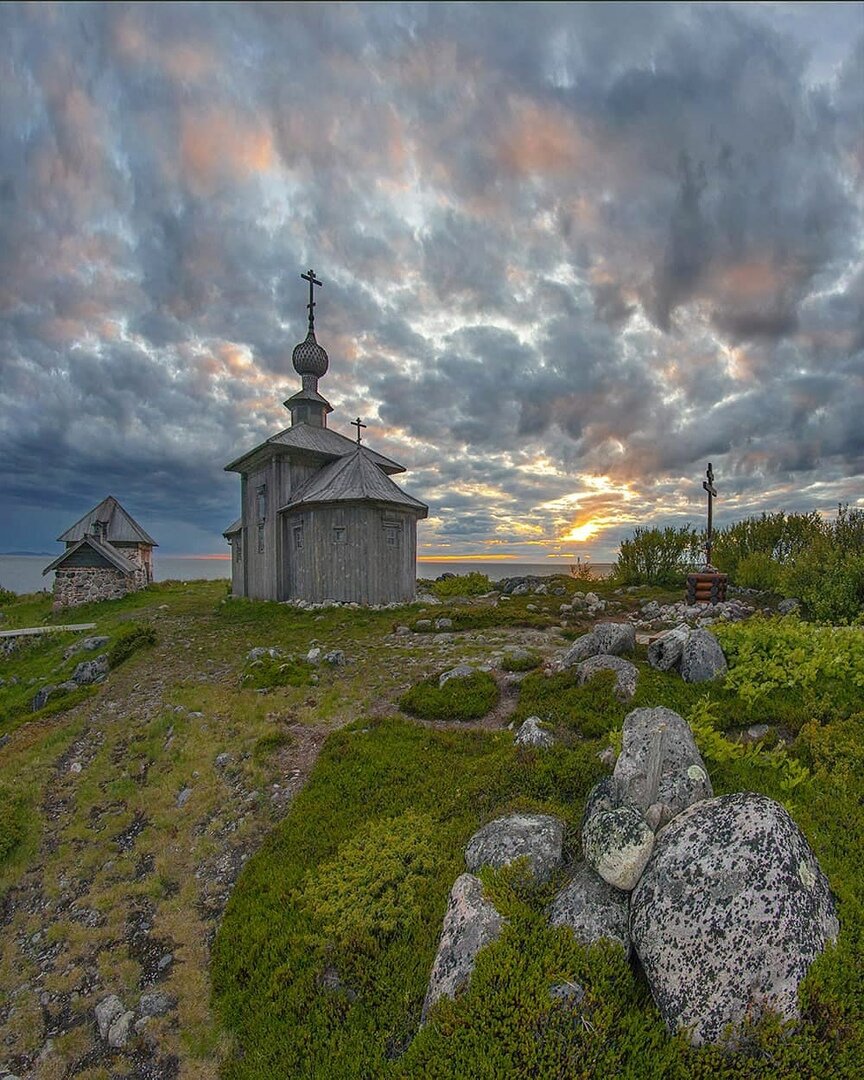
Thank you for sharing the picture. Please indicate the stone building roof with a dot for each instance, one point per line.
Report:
(122, 527)
(354, 477)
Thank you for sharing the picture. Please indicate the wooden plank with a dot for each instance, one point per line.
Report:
(30, 631)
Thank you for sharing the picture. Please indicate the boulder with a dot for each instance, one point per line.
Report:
(664, 652)
(335, 658)
(702, 658)
(87, 644)
(537, 837)
(532, 734)
(107, 1011)
(118, 1033)
(592, 908)
(273, 651)
(90, 671)
(470, 922)
(660, 764)
(443, 624)
(617, 843)
(606, 639)
(729, 914)
(461, 671)
(626, 673)
(787, 606)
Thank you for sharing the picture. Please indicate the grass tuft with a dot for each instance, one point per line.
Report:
(463, 698)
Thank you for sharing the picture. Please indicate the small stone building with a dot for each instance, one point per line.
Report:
(107, 555)
(321, 518)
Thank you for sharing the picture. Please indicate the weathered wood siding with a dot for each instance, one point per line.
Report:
(345, 553)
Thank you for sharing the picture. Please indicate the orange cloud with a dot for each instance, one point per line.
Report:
(542, 140)
(219, 144)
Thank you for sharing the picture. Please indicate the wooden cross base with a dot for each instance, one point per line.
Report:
(706, 587)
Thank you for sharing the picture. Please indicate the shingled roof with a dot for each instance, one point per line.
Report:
(107, 551)
(355, 477)
(318, 440)
(122, 527)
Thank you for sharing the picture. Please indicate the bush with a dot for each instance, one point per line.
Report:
(462, 698)
(371, 887)
(657, 556)
(13, 823)
(131, 639)
(7, 596)
(778, 536)
(473, 584)
(759, 571)
(829, 582)
(512, 662)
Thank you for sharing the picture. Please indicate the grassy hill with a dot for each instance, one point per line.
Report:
(268, 844)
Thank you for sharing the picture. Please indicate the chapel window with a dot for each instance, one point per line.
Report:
(261, 500)
(261, 537)
(298, 537)
(339, 532)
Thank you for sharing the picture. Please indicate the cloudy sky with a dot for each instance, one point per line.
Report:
(571, 253)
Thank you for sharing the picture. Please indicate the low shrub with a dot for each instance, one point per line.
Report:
(374, 883)
(473, 584)
(829, 582)
(269, 672)
(463, 698)
(778, 536)
(515, 662)
(657, 556)
(588, 710)
(13, 823)
(268, 744)
(130, 640)
(7, 596)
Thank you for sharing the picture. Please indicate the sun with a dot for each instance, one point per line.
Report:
(581, 533)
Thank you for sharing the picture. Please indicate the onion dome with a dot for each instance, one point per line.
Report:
(309, 358)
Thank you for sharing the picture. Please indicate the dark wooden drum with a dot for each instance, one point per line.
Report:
(706, 587)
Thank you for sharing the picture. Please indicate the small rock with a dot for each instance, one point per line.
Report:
(443, 624)
(222, 760)
(569, 993)
(107, 1011)
(592, 909)
(461, 671)
(40, 698)
(335, 657)
(537, 837)
(75, 767)
(313, 656)
(118, 1033)
(155, 1004)
(401, 631)
(423, 624)
(90, 671)
(470, 922)
(532, 734)
(165, 961)
(273, 651)
(626, 674)
(702, 658)
(88, 644)
(788, 606)
(531, 607)
(757, 732)
(184, 797)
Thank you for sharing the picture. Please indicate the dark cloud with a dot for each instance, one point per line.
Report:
(562, 245)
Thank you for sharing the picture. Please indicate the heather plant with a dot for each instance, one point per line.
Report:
(473, 584)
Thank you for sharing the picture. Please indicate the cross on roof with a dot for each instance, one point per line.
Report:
(358, 423)
(313, 281)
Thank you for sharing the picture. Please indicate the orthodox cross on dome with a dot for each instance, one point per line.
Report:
(358, 423)
(708, 485)
(313, 281)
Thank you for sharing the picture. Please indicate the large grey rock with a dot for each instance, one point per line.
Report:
(90, 671)
(664, 652)
(118, 1033)
(702, 658)
(470, 922)
(606, 639)
(617, 844)
(87, 644)
(729, 914)
(626, 674)
(532, 734)
(107, 1011)
(461, 671)
(537, 837)
(592, 908)
(660, 764)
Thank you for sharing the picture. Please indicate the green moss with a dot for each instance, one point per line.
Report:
(462, 698)
(269, 743)
(520, 663)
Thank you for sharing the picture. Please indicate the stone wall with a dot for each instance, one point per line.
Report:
(83, 584)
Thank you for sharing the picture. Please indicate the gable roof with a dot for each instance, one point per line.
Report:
(357, 476)
(122, 527)
(107, 551)
(234, 527)
(319, 441)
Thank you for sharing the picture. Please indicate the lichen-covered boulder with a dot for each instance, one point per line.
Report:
(90, 671)
(532, 734)
(702, 658)
(470, 922)
(461, 671)
(665, 651)
(592, 908)
(729, 914)
(606, 639)
(537, 837)
(617, 844)
(660, 764)
(626, 674)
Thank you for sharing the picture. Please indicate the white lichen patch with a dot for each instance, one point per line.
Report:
(696, 772)
(808, 878)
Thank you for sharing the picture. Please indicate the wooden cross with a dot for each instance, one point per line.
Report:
(313, 281)
(708, 485)
(358, 423)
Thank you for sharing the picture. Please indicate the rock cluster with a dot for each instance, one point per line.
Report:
(116, 1023)
(695, 653)
(530, 584)
(653, 614)
(606, 639)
